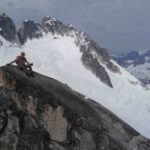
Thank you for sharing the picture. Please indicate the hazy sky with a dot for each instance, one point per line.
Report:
(119, 25)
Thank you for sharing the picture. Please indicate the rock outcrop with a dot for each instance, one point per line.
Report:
(8, 28)
(29, 30)
(40, 113)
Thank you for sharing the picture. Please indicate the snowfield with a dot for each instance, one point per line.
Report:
(59, 57)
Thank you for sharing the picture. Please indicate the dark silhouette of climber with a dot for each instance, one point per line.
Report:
(22, 63)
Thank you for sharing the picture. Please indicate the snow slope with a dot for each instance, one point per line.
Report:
(60, 58)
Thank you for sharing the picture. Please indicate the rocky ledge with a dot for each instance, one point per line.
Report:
(40, 113)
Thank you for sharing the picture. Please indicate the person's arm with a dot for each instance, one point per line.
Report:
(27, 62)
(12, 62)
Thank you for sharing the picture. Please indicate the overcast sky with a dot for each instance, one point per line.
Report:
(119, 25)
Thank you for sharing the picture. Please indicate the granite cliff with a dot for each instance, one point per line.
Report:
(41, 113)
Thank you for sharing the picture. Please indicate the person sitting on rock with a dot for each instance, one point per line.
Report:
(22, 62)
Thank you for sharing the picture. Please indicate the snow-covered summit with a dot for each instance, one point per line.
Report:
(3, 14)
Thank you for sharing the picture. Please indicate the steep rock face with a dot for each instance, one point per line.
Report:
(8, 28)
(29, 30)
(40, 113)
(54, 26)
(1, 43)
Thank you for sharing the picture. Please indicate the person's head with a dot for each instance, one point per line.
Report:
(22, 54)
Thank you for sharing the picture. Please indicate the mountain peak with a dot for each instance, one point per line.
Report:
(8, 28)
(56, 117)
(49, 18)
(2, 14)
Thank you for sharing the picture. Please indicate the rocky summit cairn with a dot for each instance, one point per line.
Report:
(40, 113)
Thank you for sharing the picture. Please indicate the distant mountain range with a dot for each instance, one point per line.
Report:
(137, 63)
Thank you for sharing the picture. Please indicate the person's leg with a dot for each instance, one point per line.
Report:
(29, 67)
(21, 67)
(26, 69)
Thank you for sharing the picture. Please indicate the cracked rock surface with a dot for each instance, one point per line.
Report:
(41, 113)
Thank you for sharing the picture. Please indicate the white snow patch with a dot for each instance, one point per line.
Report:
(26, 20)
